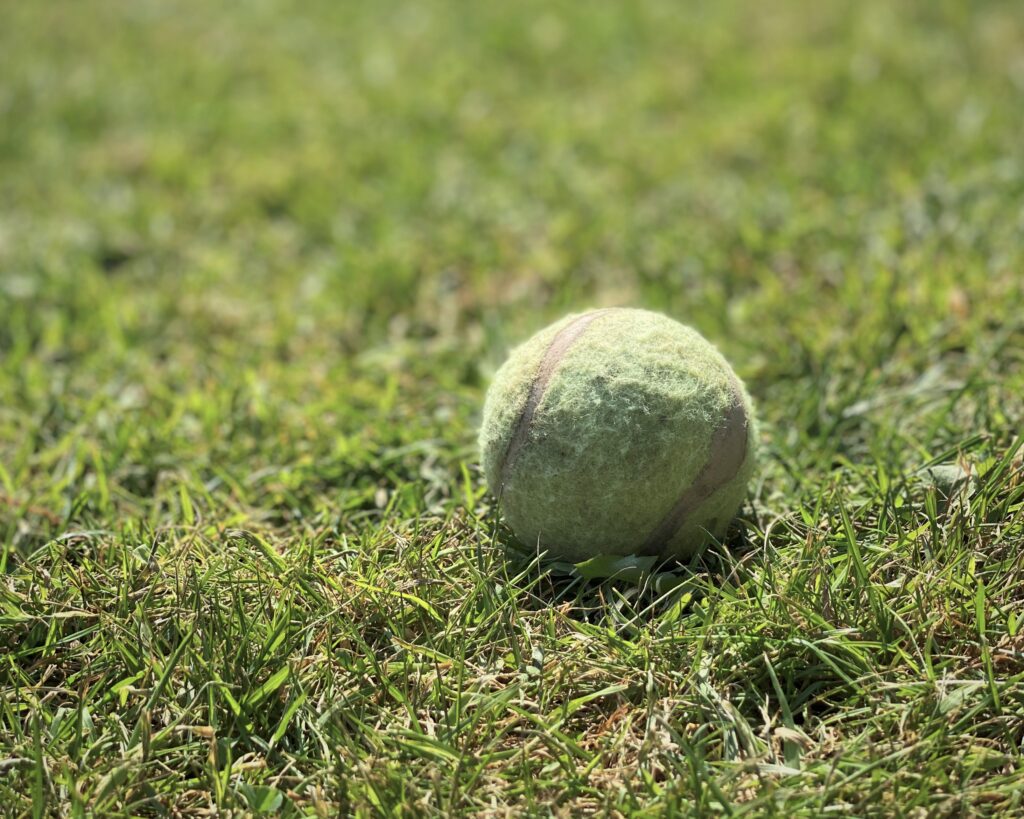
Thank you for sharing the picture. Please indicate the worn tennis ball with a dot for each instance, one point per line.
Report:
(617, 431)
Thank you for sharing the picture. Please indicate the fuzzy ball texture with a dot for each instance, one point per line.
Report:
(617, 431)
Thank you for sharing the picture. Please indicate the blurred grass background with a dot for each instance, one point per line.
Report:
(257, 264)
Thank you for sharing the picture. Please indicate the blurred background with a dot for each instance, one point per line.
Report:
(259, 233)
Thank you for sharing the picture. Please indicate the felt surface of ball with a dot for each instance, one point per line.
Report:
(617, 431)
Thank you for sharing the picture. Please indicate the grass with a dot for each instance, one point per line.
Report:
(257, 265)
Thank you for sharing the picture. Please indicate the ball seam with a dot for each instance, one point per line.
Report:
(559, 346)
(726, 457)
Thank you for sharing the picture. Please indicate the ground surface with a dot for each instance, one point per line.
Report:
(257, 264)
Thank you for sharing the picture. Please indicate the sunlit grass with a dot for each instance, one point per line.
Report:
(257, 266)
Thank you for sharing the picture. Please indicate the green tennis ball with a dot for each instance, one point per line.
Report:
(617, 432)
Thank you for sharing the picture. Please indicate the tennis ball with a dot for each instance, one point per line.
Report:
(618, 432)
